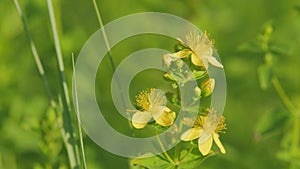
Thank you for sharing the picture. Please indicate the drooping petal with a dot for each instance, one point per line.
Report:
(214, 61)
(183, 53)
(140, 119)
(163, 115)
(197, 61)
(206, 146)
(218, 142)
(191, 134)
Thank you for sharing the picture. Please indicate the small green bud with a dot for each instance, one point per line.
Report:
(197, 93)
(168, 76)
(207, 87)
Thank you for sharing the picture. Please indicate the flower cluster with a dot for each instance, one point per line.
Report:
(189, 63)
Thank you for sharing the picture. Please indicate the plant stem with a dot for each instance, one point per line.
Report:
(296, 118)
(69, 134)
(189, 152)
(164, 150)
(78, 115)
(108, 47)
(283, 96)
(36, 58)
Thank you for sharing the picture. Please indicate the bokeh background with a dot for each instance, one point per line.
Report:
(29, 136)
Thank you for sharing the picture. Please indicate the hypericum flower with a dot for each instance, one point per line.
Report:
(198, 128)
(152, 105)
(201, 50)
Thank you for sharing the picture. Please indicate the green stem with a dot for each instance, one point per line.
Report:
(283, 96)
(69, 134)
(78, 115)
(296, 118)
(164, 150)
(188, 153)
(36, 57)
(108, 47)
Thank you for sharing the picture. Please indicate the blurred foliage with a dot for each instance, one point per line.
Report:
(25, 121)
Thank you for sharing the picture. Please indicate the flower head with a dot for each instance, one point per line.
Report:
(201, 126)
(200, 48)
(152, 105)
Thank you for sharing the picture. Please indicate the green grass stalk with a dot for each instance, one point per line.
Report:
(69, 134)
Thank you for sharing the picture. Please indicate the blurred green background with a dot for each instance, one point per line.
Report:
(28, 133)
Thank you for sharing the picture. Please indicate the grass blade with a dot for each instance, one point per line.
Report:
(78, 115)
(69, 135)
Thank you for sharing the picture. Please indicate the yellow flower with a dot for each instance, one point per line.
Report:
(199, 128)
(201, 50)
(152, 104)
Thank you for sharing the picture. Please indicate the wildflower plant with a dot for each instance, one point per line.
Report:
(285, 120)
(199, 126)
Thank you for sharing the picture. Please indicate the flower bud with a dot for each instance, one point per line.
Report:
(197, 93)
(207, 87)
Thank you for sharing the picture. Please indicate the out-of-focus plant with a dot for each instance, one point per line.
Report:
(285, 121)
(62, 107)
(188, 64)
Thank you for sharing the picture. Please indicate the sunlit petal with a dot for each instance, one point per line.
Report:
(183, 53)
(165, 117)
(218, 142)
(140, 119)
(206, 146)
(191, 134)
(214, 61)
(197, 61)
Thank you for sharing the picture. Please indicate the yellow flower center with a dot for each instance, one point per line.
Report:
(201, 120)
(142, 99)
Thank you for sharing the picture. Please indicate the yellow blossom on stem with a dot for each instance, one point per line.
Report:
(200, 48)
(152, 104)
(198, 128)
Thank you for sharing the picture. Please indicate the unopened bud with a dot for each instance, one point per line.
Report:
(207, 87)
(197, 92)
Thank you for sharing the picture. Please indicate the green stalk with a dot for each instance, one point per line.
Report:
(78, 115)
(296, 118)
(108, 47)
(69, 134)
(283, 96)
(164, 150)
(36, 57)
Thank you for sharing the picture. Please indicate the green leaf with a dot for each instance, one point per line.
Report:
(192, 161)
(270, 122)
(264, 76)
(154, 162)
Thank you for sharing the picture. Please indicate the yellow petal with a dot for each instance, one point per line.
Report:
(140, 119)
(183, 53)
(165, 117)
(206, 146)
(214, 61)
(197, 61)
(191, 134)
(218, 142)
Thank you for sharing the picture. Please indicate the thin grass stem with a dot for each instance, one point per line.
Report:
(78, 115)
(69, 135)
